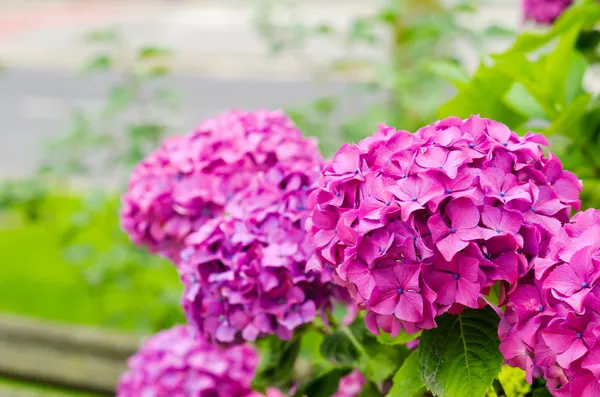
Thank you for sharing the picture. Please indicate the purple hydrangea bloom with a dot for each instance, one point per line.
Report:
(417, 225)
(246, 273)
(190, 179)
(544, 11)
(552, 320)
(175, 363)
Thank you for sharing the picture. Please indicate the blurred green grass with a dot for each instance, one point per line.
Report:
(35, 390)
(36, 279)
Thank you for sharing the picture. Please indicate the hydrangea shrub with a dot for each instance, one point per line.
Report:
(460, 231)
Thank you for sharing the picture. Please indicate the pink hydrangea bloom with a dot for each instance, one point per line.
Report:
(190, 179)
(417, 225)
(174, 363)
(351, 385)
(246, 274)
(544, 11)
(552, 320)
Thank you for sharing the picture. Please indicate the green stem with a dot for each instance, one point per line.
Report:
(353, 339)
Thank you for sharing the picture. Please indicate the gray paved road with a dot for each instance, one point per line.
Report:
(35, 105)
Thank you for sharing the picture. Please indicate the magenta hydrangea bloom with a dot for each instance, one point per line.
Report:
(417, 225)
(351, 385)
(246, 273)
(544, 11)
(175, 363)
(552, 322)
(190, 179)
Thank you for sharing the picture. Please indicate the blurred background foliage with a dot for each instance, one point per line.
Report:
(65, 231)
(407, 85)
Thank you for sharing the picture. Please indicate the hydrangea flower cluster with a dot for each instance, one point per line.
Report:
(174, 363)
(420, 224)
(544, 11)
(552, 320)
(191, 178)
(245, 274)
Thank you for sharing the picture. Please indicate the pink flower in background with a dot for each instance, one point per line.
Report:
(189, 179)
(420, 224)
(544, 11)
(351, 385)
(177, 363)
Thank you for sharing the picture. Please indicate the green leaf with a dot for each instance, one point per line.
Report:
(362, 30)
(400, 339)
(323, 386)
(98, 63)
(119, 98)
(483, 95)
(554, 78)
(369, 390)
(377, 362)
(521, 101)
(569, 121)
(498, 31)
(323, 29)
(527, 73)
(157, 71)
(588, 41)
(450, 71)
(541, 393)
(355, 346)
(494, 294)
(574, 85)
(277, 361)
(150, 52)
(338, 348)
(460, 358)
(407, 381)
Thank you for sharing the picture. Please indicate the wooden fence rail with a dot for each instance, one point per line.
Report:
(74, 357)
